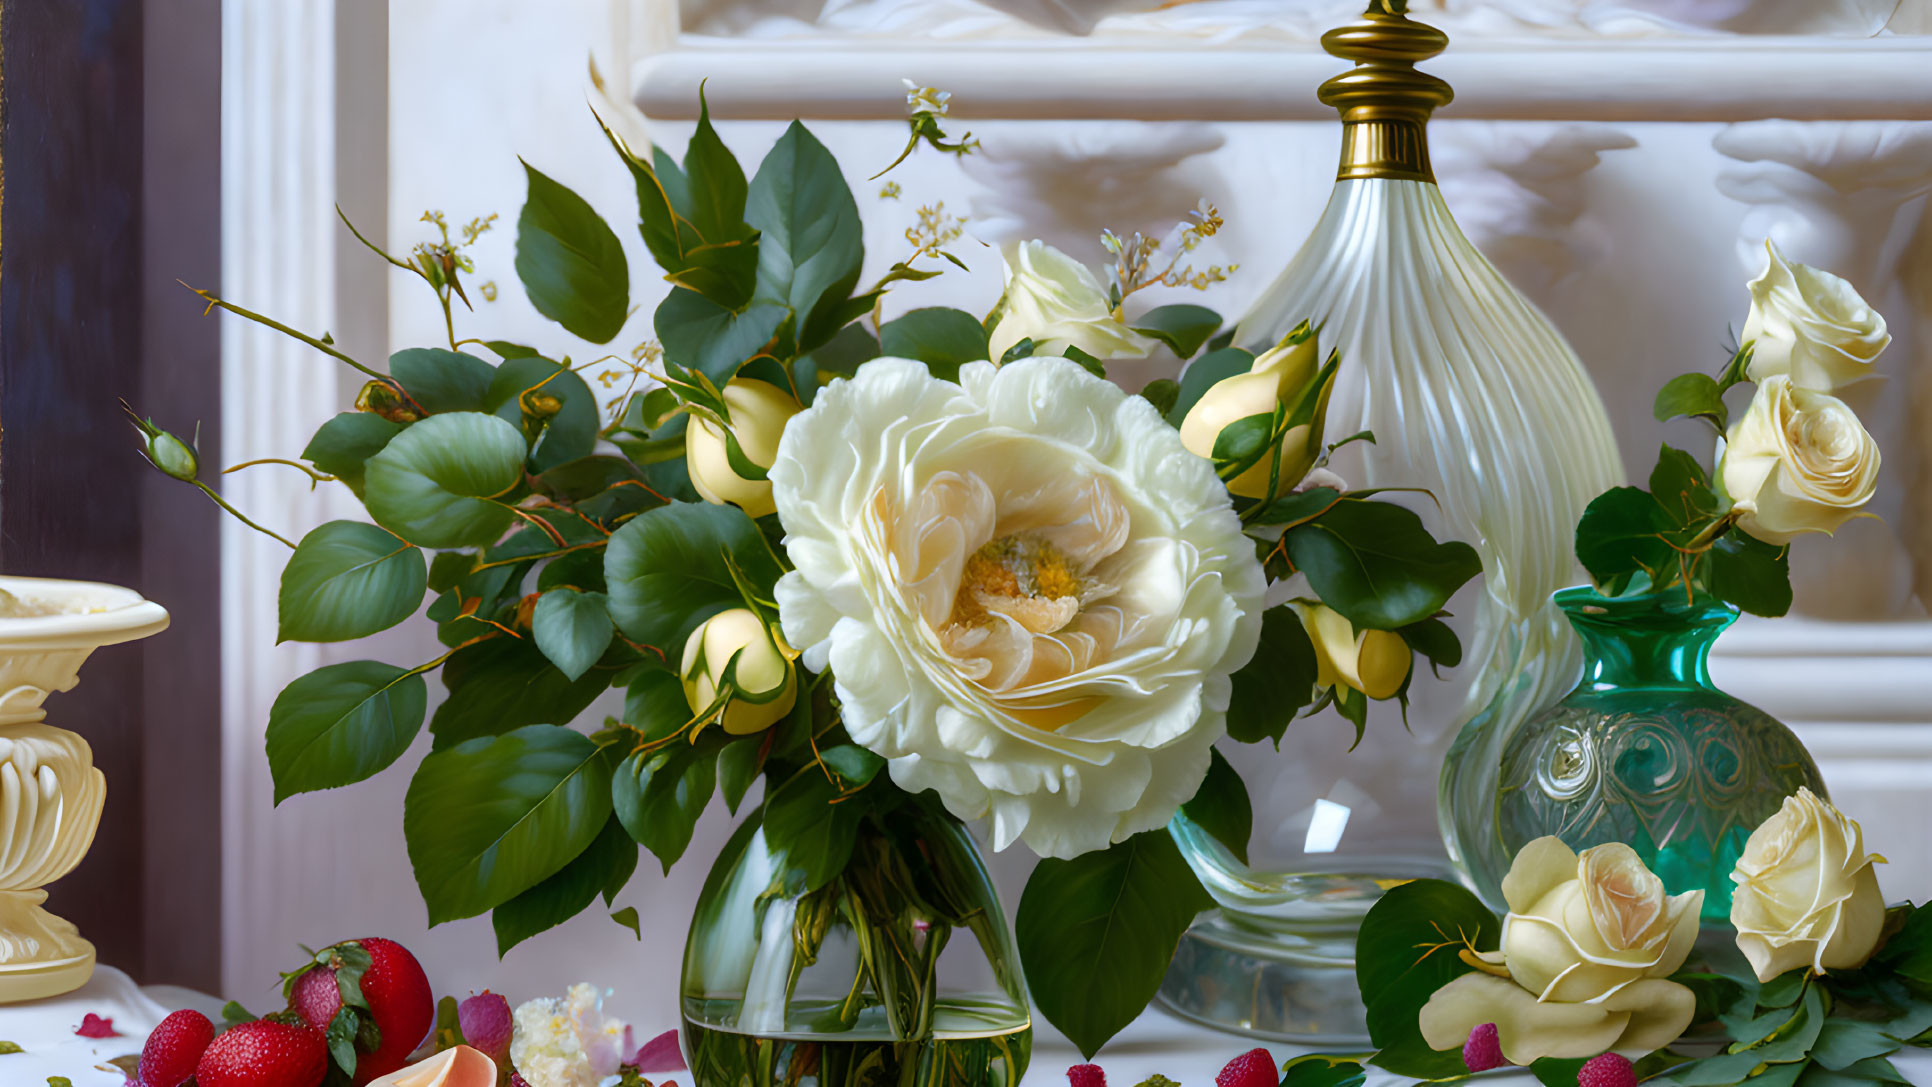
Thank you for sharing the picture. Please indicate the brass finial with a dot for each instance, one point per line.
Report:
(1384, 101)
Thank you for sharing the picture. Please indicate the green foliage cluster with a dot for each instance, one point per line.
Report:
(563, 554)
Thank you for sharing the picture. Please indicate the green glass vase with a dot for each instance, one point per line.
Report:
(1646, 751)
(899, 971)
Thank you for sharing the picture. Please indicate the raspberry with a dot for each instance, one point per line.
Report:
(517, 1080)
(1086, 1075)
(1606, 1070)
(1255, 1068)
(1484, 1050)
(174, 1048)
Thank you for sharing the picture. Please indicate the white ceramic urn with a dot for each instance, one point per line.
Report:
(50, 792)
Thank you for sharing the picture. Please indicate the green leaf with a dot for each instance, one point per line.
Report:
(659, 795)
(669, 570)
(571, 628)
(1203, 373)
(1682, 487)
(341, 724)
(1622, 533)
(449, 568)
(1221, 806)
(942, 338)
(1434, 640)
(1691, 394)
(1406, 950)
(1299, 506)
(570, 433)
(809, 836)
(1844, 1042)
(1749, 573)
(810, 249)
(1908, 951)
(1323, 1070)
(440, 380)
(1089, 363)
(505, 683)
(1557, 1071)
(341, 1039)
(1276, 682)
(714, 183)
(342, 444)
(628, 918)
(1096, 933)
(852, 763)
(348, 580)
(571, 264)
(602, 868)
(738, 766)
(1375, 563)
(1163, 393)
(489, 819)
(506, 350)
(1182, 327)
(711, 339)
(436, 483)
(845, 352)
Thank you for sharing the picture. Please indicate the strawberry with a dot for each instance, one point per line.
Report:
(175, 1047)
(1606, 1070)
(265, 1053)
(1086, 1075)
(1484, 1049)
(486, 1023)
(390, 1008)
(1255, 1068)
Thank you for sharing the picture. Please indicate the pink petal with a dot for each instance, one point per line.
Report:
(93, 1026)
(660, 1054)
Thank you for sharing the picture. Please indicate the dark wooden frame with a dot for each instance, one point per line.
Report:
(110, 190)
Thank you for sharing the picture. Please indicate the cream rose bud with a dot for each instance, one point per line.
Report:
(737, 645)
(1582, 926)
(1374, 662)
(1281, 375)
(759, 412)
(1057, 302)
(1807, 895)
(1798, 461)
(1811, 326)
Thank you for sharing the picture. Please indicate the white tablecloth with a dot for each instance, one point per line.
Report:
(1154, 1043)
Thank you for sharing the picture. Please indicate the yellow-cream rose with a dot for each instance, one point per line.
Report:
(1283, 375)
(1811, 326)
(759, 412)
(736, 644)
(1587, 947)
(1057, 302)
(1807, 895)
(1798, 461)
(1374, 662)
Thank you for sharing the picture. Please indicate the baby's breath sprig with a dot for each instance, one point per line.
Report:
(1136, 259)
(889, 191)
(441, 263)
(924, 108)
(644, 356)
(933, 230)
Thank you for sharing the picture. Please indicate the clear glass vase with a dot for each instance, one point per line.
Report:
(1474, 397)
(900, 971)
(1646, 751)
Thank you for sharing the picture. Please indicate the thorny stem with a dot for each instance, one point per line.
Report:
(326, 348)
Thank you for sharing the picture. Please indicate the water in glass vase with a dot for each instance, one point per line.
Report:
(1647, 752)
(975, 1042)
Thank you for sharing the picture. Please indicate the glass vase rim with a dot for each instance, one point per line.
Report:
(1672, 606)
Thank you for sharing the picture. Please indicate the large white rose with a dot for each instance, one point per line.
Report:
(1798, 461)
(1806, 891)
(1811, 326)
(1030, 593)
(1057, 302)
(1589, 944)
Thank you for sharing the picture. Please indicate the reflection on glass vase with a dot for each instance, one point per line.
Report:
(900, 970)
(1646, 751)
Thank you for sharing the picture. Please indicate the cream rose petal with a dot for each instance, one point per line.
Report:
(1638, 1019)
(1073, 717)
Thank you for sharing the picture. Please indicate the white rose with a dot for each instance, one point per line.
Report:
(735, 644)
(1030, 593)
(1374, 662)
(759, 412)
(1056, 302)
(1283, 375)
(567, 1042)
(1811, 326)
(1807, 895)
(1798, 461)
(1587, 947)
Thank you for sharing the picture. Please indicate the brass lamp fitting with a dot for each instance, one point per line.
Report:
(1384, 101)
